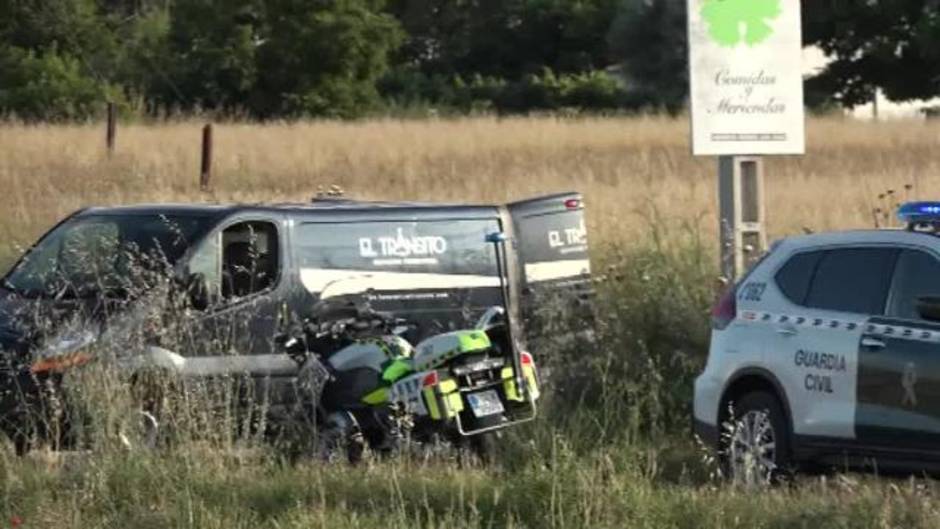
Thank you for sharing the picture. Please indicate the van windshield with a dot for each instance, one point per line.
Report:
(94, 255)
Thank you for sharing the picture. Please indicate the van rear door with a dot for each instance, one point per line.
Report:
(554, 265)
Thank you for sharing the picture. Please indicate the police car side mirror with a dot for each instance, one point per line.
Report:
(928, 307)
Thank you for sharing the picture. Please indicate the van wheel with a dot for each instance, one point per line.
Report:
(19, 435)
(151, 392)
(756, 441)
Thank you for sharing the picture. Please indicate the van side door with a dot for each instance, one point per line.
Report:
(243, 264)
(899, 363)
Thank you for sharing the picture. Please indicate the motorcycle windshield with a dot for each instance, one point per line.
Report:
(345, 298)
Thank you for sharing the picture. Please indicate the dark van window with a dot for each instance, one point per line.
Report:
(553, 237)
(240, 261)
(852, 280)
(794, 277)
(249, 259)
(88, 255)
(437, 274)
(917, 274)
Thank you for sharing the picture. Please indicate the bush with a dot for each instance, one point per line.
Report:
(594, 90)
(652, 339)
(587, 92)
(49, 86)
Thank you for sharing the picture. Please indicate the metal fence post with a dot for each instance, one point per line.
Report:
(205, 175)
(111, 133)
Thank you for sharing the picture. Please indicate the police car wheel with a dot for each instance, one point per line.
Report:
(756, 445)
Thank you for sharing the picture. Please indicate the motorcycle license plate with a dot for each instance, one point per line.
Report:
(485, 403)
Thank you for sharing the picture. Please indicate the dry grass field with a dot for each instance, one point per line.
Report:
(629, 168)
(616, 454)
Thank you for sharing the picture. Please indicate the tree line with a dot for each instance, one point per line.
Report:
(273, 59)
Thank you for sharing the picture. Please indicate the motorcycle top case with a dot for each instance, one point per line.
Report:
(437, 350)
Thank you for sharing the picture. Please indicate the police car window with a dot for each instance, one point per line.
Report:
(852, 280)
(794, 277)
(917, 274)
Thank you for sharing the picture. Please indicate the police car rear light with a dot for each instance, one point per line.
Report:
(725, 311)
(526, 358)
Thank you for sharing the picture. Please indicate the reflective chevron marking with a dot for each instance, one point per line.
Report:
(899, 331)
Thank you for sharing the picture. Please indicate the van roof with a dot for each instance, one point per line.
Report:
(334, 204)
(340, 209)
(319, 204)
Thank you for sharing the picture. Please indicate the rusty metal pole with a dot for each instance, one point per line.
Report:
(205, 176)
(111, 133)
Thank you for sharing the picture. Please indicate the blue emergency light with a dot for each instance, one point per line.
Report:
(919, 213)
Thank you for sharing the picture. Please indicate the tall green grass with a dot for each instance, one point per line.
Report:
(616, 487)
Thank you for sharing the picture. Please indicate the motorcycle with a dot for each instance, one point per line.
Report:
(363, 384)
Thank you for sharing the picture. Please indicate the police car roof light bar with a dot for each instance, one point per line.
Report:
(913, 214)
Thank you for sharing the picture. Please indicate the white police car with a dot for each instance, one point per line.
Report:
(829, 351)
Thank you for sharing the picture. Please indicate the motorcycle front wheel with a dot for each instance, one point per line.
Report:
(339, 437)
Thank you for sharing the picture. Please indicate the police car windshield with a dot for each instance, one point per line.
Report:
(91, 255)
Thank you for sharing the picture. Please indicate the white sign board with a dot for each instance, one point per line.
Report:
(746, 77)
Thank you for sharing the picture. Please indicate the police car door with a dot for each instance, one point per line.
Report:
(899, 362)
(838, 290)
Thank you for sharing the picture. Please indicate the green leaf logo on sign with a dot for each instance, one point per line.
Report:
(732, 22)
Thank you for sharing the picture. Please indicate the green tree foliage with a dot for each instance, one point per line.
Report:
(323, 57)
(62, 59)
(507, 55)
(649, 40)
(144, 65)
(893, 45)
(54, 58)
(72, 26)
(212, 45)
(268, 58)
(504, 38)
(46, 86)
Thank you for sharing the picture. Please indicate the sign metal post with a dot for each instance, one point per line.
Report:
(743, 238)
